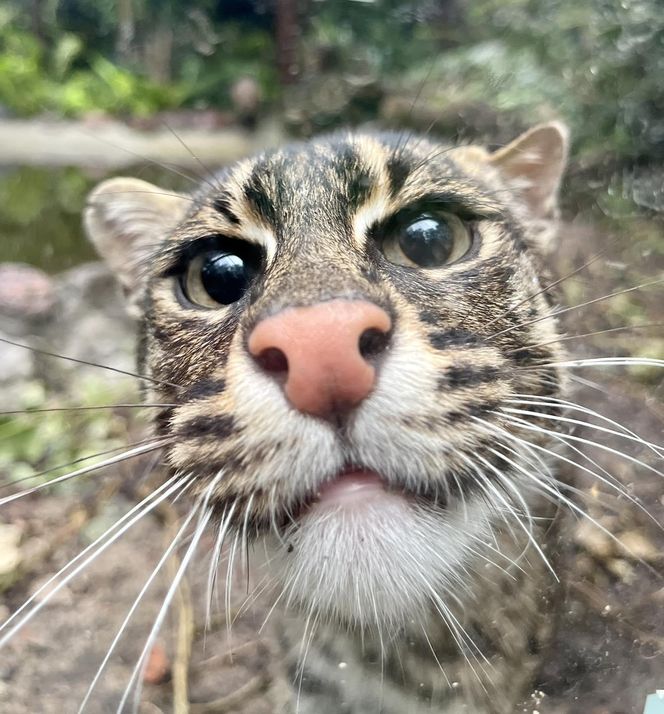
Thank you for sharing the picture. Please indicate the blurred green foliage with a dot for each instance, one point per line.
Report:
(34, 80)
(598, 64)
(43, 441)
(40, 221)
(608, 56)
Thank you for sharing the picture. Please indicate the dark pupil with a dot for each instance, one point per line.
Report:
(225, 277)
(427, 242)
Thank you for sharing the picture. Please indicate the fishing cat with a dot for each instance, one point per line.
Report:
(339, 329)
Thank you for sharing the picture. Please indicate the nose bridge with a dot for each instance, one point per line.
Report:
(316, 260)
(324, 354)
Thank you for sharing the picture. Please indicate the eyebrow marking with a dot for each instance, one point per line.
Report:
(222, 205)
(257, 195)
(397, 173)
(219, 427)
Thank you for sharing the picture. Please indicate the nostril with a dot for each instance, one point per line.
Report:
(273, 360)
(372, 342)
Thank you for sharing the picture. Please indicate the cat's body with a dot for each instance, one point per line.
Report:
(339, 325)
(355, 343)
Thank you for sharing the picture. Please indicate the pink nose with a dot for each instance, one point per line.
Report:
(324, 352)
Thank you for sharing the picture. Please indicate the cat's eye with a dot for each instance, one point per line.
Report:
(430, 240)
(218, 277)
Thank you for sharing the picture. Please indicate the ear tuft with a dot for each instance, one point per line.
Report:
(126, 219)
(534, 164)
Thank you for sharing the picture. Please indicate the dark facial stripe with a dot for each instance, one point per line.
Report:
(354, 177)
(257, 195)
(452, 338)
(397, 173)
(220, 427)
(479, 409)
(526, 356)
(204, 388)
(467, 376)
(222, 205)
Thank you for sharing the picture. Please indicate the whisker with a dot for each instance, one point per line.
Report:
(611, 481)
(501, 498)
(86, 408)
(244, 541)
(215, 561)
(204, 517)
(90, 364)
(12, 482)
(88, 469)
(579, 422)
(205, 513)
(122, 525)
(206, 169)
(600, 362)
(458, 636)
(435, 656)
(228, 586)
(564, 310)
(550, 286)
(166, 166)
(568, 502)
(109, 653)
(544, 400)
(588, 334)
(588, 442)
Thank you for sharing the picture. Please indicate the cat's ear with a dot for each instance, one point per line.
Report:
(126, 219)
(533, 164)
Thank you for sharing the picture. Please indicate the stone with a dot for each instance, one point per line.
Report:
(25, 291)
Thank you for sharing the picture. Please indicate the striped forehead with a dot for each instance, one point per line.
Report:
(331, 188)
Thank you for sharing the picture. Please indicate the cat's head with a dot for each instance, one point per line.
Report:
(339, 324)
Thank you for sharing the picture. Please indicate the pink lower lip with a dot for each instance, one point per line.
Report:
(351, 487)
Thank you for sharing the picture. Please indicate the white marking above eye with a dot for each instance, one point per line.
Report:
(261, 235)
(375, 209)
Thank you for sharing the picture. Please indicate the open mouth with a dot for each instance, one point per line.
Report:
(351, 487)
(351, 491)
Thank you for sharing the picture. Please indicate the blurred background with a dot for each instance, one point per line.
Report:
(232, 75)
(155, 89)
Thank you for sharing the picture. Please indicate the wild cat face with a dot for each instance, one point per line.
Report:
(338, 325)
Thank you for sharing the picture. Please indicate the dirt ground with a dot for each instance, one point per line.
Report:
(609, 648)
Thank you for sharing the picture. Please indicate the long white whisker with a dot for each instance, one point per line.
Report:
(501, 498)
(205, 514)
(173, 544)
(573, 406)
(611, 481)
(245, 542)
(589, 442)
(132, 517)
(579, 422)
(228, 586)
(599, 362)
(214, 561)
(87, 469)
(568, 502)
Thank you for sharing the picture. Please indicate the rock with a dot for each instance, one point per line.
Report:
(10, 554)
(594, 540)
(16, 363)
(158, 667)
(25, 292)
(246, 96)
(638, 547)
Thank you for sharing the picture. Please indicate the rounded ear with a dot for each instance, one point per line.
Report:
(533, 164)
(126, 219)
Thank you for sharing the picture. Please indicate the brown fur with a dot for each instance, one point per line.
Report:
(461, 332)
